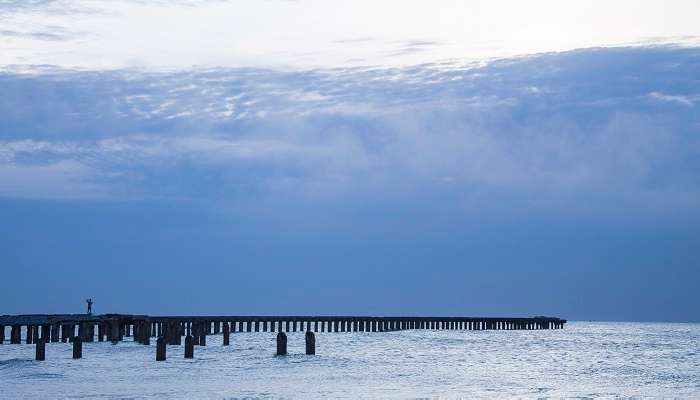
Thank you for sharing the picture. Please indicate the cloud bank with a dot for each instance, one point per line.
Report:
(604, 128)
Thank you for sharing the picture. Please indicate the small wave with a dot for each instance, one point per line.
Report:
(14, 363)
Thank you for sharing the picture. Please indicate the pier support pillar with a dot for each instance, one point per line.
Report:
(281, 344)
(15, 334)
(310, 343)
(160, 349)
(30, 334)
(227, 334)
(189, 346)
(77, 347)
(146, 334)
(2, 334)
(55, 330)
(40, 350)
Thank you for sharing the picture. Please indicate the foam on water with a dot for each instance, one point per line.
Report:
(582, 360)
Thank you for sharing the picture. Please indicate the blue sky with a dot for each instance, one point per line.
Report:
(387, 170)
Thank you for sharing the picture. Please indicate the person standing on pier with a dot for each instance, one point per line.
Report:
(89, 304)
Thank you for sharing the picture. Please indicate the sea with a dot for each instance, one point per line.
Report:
(583, 360)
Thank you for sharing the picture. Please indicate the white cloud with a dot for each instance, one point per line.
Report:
(682, 100)
(312, 33)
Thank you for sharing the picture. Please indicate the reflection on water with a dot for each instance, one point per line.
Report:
(582, 360)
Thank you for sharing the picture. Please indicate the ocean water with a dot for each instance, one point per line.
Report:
(584, 360)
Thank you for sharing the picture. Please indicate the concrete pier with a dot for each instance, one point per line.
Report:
(79, 328)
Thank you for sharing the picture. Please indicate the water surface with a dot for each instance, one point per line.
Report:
(584, 360)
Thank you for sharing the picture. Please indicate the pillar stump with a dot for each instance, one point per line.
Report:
(281, 344)
(40, 350)
(189, 346)
(310, 343)
(160, 349)
(227, 334)
(77, 347)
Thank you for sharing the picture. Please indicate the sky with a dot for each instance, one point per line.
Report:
(476, 158)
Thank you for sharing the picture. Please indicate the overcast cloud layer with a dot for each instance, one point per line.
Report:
(612, 126)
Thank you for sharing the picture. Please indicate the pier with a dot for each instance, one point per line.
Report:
(44, 329)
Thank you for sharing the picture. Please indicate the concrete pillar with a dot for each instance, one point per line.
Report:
(310, 343)
(55, 336)
(40, 350)
(146, 335)
(286, 329)
(16, 334)
(257, 326)
(264, 326)
(281, 344)
(227, 334)
(77, 347)
(2, 334)
(202, 339)
(189, 346)
(160, 349)
(46, 333)
(249, 327)
(315, 326)
(30, 334)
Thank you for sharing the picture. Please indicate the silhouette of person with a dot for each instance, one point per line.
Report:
(89, 303)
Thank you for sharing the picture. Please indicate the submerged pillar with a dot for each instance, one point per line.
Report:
(160, 349)
(77, 347)
(189, 346)
(55, 329)
(226, 334)
(40, 350)
(15, 334)
(310, 343)
(281, 344)
(29, 337)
